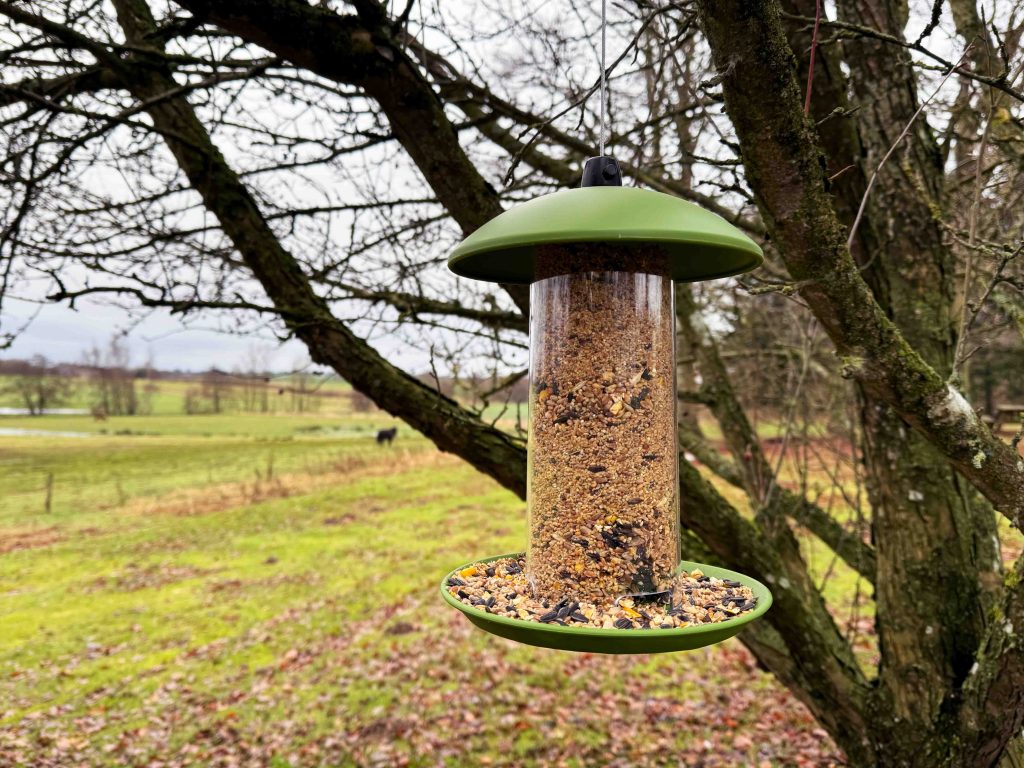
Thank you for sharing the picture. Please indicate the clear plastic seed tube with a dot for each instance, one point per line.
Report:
(603, 466)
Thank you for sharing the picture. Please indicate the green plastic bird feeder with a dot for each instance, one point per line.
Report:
(602, 572)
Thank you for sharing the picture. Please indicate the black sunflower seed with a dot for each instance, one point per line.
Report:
(623, 624)
(455, 581)
(578, 617)
(549, 616)
(596, 468)
(611, 539)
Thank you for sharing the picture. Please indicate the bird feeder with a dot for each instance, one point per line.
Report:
(603, 474)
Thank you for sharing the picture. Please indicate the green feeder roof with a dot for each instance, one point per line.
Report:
(700, 245)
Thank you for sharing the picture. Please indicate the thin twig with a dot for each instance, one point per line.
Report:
(966, 318)
(814, 48)
(1001, 82)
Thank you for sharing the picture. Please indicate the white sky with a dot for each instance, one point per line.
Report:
(63, 335)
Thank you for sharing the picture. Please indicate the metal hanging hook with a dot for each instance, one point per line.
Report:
(602, 171)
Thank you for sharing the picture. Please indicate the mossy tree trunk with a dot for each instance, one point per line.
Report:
(933, 537)
(937, 556)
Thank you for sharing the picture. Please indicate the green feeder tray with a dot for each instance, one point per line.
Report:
(700, 245)
(593, 640)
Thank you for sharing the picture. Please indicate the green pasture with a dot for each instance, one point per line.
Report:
(166, 397)
(263, 589)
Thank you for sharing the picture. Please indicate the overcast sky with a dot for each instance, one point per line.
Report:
(64, 335)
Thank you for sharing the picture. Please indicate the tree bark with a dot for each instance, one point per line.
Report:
(1006, 134)
(924, 522)
(922, 663)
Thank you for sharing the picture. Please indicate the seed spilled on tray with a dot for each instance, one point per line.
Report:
(693, 599)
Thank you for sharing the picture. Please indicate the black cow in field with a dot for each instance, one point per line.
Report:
(386, 435)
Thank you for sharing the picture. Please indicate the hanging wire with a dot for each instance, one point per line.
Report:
(604, 79)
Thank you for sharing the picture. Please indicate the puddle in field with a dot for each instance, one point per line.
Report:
(16, 432)
(23, 432)
(46, 412)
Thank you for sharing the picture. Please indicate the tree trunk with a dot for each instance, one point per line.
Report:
(934, 548)
(931, 540)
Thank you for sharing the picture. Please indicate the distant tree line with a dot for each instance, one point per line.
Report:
(108, 384)
(253, 392)
(37, 384)
(112, 382)
(105, 382)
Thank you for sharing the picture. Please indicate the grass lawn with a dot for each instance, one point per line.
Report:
(166, 397)
(237, 591)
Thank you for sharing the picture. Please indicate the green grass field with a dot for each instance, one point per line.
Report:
(166, 397)
(237, 590)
